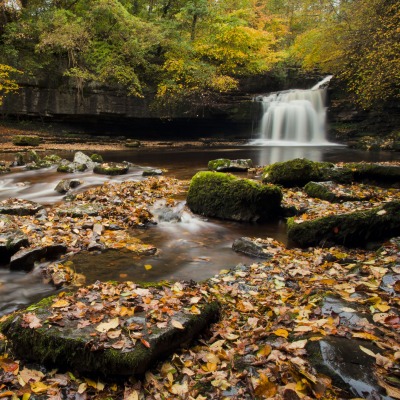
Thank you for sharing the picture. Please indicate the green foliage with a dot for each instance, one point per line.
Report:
(7, 82)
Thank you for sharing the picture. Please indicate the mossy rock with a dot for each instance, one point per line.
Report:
(13, 206)
(97, 158)
(26, 140)
(299, 171)
(215, 194)
(375, 172)
(137, 341)
(111, 168)
(10, 242)
(80, 209)
(353, 229)
(71, 167)
(4, 169)
(226, 165)
(132, 143)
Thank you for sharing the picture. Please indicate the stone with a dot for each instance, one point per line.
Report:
(226, 165)
(97, 158)
(25, 259)
(253, 247)
(111, 168)
(220, 195)
(352, 229)
(19, 207)
(132, 143)
(71, 167)
(26, 140)
(152, 172)
(80, 209)
(325, 191)
(82, 158)
(299, 171)
(347, 365)
(138, 344)
(10, 242)
(377, 173)
(67, 184)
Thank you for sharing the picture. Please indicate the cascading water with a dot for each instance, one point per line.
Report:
(294, 117)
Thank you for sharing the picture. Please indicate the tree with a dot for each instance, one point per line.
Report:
(7, 83)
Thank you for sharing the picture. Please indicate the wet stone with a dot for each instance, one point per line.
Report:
(10, 242)
(253, 247)
(82, 158)
(71, 167)
(19, 207)
(25, 259)
(79, 210)
(152, 172)
(67, 184)
(347, 365)
(111, 168)
(226, 165)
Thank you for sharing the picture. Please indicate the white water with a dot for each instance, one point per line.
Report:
(294, 117)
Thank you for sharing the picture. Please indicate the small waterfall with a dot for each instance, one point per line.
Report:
(294, 117)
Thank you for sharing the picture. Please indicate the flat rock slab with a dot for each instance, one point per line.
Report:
(110, 329)
(19, 207)
(352, 229)
(80, 209)
(25, 259)
(10, 242)
(111, 168)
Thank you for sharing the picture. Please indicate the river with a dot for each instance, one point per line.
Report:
(193, 248)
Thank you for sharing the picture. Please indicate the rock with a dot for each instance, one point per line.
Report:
(82, 158)
(226, 165)
(215, 194)
(253, 247)
(19, 160)
(25, 140)
(25, 259)
(389, 174)
(325, 191)
(132, 143)
(4, 168)
(347, 365)
(19, 207)
(111, 168)
(39, 163)
(67, 184)
(97, 158)
(117, 344)
(300, 171)
(80, 209)
(152, 172)
(353, 229)
(10, 242)
(96, 246)
(71, 167)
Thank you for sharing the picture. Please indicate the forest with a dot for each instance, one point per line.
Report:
(194, 50)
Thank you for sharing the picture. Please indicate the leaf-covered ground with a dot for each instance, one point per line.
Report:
(271, 310)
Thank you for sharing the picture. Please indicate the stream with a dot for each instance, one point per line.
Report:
(189, 248)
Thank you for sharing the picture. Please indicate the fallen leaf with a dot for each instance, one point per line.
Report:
(365, 335)
(281, 332)
(106, 326)
(367, 351)
(60, 304)
(177, 324)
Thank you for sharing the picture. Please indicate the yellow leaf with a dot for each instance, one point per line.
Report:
(264, 351)
(148, 267)
(106, 326)
(367, 351)
(266, 388)
(26, 396)
(382, 307)
(39, 387)
(281, 332)
(60, 303)
(365, 335)
(177, 324)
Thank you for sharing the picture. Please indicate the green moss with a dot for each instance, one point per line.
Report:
(23, 140)
(111, 169)
(354, 229)
(214, 165)
(224, 164)
(375, 172)
(297, 172)
(96, 158)
(52, 158)
(220, 195)
(65, 168)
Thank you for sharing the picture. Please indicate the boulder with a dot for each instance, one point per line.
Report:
(226, 165)
(152, 172)
(260, 248)
(71, 167)
(38, 163)
(378, 173)
(326, 191)
(10, 242)
(132, 143)
(25, 259)
(82, 158)
(111, 168)
(299, 171)
(352, 229)
(124, 335)
(97, 158)
(80, 209)
(215, 194)
(67, 184)
(19, 207)
(26, 140)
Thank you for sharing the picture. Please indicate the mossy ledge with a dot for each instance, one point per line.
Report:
(215, 194)
(354, 229)
(67, 347)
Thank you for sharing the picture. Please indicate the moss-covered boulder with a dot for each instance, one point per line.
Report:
(26, 140)
(152, 172)
(97, 158)
(299, 171)
(378, 173)
(67, 184)
(353, 229)
(215, 194)
(37, 162)
(71, 167)
(335, 193)
(226, 165)
(111, 168)
(130, 143)
(110, 329)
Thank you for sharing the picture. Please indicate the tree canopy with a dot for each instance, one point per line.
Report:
(194, 49)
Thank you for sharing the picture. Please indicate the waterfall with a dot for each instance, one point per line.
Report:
(294, 117)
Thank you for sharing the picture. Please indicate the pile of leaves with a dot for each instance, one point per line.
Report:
(270, 311)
